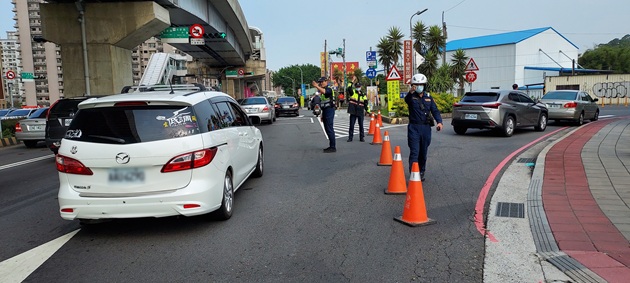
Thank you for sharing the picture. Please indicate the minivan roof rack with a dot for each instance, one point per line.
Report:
(143, 88)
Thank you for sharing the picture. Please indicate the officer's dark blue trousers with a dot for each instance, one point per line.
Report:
(353, 119)
(419, 139)
(328, 115)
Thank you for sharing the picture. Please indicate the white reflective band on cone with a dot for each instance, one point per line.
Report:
(415, 176)
(397, 157)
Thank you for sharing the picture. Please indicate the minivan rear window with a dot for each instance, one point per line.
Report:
(480, 97)
(132, 124)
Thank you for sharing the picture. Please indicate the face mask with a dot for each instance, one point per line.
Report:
(419, 88)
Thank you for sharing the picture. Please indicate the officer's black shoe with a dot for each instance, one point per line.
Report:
(330, 149)
(362, 140)
(349, 140)
(422, 176)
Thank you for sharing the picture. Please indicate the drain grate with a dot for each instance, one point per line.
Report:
(511, 209)
(526, 160)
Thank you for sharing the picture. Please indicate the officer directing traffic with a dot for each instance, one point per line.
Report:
(422, 111)
(328, 111)
(357, 102)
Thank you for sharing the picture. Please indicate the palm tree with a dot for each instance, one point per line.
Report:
(435, 39)
(395, 37)
(429, 67)
(383, 49)
(419, 35)
(441, 80)
(458, 69)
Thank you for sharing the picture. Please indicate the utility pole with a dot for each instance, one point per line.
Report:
(326, 57)
(343, 56)
(445, 37)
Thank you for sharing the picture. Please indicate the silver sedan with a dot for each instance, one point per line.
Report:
(259, 106)
(571, 105)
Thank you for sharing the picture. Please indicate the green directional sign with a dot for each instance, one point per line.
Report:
(175, 35)
(27, 77)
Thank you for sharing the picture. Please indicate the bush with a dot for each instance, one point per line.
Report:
(444, 102)
(8, 128)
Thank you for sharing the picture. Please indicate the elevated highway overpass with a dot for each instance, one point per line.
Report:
(105, 32)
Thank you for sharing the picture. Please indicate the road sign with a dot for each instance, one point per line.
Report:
(393, 75)
(27, 77)
(370, 56)
(10, 75)
(174, 35)
(370, 73)
(471, 77)
(196, 31)
(472, 66)
(197, 41)
(241, 72)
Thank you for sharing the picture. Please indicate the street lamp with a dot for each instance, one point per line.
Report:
(413, 54)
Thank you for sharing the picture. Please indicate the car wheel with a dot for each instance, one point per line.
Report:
(259, 164)
(580, 120)
(596, 117)
(274, 117)
(30, 144)
(227, 204)
(460, 130)
(542, 123)
(508, 126)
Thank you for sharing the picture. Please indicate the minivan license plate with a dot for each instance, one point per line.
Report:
(470, 116)
(126, 175)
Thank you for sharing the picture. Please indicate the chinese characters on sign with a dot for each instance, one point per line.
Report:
(408, 69)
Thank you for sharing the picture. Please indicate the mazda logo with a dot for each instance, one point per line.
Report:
(122, 158)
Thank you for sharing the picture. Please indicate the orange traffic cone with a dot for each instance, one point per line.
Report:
(415, 210)
(386, 152)
(372, 123)
(376, 139)
(379, 119)
(397, 184)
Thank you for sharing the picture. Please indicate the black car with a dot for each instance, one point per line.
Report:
(59, 117)
(287, 105)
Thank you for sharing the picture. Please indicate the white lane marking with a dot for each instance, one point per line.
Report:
(606, 116)
(25, 162)
(17, 268)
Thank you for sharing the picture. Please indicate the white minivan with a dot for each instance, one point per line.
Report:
(155, 152)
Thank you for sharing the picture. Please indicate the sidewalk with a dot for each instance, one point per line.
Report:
(575, 223)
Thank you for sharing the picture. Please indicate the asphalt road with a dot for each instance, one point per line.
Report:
(312, 217)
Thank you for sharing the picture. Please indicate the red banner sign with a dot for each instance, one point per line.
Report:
(408, 61)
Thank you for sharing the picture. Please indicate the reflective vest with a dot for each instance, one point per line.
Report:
(356, 101)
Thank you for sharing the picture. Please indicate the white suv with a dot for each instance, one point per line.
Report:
(158, 151)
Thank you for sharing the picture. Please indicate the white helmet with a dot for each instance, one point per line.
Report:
(418, 79)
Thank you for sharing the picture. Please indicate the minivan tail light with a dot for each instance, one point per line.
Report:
(71, 166)
(131, 103)
(190, 160)
(18, 128)
(571, 104)
(491, 105)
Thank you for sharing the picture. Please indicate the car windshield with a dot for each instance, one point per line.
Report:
(561, 95)
(39, 113)
(480, 97)
(20, 112)
(286, 99)
(254, 100)
(132, 124)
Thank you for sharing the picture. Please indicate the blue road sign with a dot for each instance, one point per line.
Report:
(370, 56)
(370, 73)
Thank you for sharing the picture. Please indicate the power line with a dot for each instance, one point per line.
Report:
(504, 30)
(455, 6)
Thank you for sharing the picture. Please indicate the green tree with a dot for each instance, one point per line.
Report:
(458, 69)
(419, 36)
(383, 50)
(441, 80)
(286, 76)
(430, 65)
(389, 48)
(613, 56)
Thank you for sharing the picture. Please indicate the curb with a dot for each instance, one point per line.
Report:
(8, 142)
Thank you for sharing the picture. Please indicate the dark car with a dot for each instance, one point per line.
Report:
(287, 105)
(59, 117)
(32, 129)
(503, 110)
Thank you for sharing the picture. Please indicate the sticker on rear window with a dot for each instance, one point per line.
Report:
(73, 134)
(179, 119)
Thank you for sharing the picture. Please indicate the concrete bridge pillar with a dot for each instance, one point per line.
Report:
(112, 30)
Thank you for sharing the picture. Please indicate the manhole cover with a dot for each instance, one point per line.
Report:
(511, 209)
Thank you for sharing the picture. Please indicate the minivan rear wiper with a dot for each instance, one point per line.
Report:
(114, 139)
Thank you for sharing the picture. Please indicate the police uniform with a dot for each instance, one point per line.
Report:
(328, 115)
(419, 128)
(356, 108)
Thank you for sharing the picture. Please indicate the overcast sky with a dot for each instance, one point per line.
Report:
(295, 30)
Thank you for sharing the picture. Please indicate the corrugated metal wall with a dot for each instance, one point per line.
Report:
(610, 89)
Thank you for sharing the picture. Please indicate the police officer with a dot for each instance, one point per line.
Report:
(422, 111)
(357, 101)
(328, 111)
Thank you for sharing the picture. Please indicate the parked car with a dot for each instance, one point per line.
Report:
(32, 129)
(155, 154)
(571, 105)
(287, 105)
(59, 117)
(18, 113)
(4, 112)
(259, 106)
(503, 110)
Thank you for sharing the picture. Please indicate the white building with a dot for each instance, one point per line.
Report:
(11, 62)
(522, 57)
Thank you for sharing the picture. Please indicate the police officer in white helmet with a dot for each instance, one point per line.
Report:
(423, 114)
